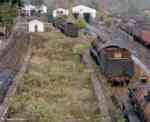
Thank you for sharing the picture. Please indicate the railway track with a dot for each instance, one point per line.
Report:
(13, 62)
(110, 105)
(120, 94)
(98, 90)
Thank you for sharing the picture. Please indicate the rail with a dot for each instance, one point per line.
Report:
(98, 90)
(14, 57)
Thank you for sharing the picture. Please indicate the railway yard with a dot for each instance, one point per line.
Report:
(58, 83)
(75, 70)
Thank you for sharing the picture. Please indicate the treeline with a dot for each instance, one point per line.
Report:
(11, 2)
(8, 11)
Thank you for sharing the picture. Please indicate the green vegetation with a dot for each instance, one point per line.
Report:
(11, 2)
(108, 21)
(8, 11)
(7, 14)
(56, 87)
(80, 22)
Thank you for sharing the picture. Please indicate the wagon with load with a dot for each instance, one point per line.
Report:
(140, 30)
(58, 22)
(115, 62)
(68, 28)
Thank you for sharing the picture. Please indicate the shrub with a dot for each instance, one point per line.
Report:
(81, 23)
(108, 21)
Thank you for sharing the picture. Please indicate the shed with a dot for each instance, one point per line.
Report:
(36, 26)
(60, 12)
(83, 11)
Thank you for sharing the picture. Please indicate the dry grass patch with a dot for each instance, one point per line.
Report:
(56, 87)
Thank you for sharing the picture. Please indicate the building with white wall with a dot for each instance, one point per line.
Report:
(36, 26)
(81, 10)
(43, 9)
(60, 12)
(29, 9)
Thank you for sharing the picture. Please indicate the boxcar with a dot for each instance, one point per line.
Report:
(140, 30)
(70, 29)
(58, 22)
(114, 62)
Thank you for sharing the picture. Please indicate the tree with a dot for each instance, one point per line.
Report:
(7, 14)
(12, 2)
(16, 2)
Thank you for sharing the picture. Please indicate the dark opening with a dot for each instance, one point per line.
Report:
(2, 34)
(33, 12)
(76, 15)
(36, 28)
(87, 17)
(61, 12)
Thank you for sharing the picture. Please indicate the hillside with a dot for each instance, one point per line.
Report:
(114, 6)
(111, 5)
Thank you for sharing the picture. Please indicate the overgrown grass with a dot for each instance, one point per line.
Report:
(56, 87)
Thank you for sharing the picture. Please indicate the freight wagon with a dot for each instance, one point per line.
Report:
(140, 30)
(115, 62)
(58, 22)
(68, 28)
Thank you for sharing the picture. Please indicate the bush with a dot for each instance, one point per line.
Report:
(81, 23)
(80, 48)
(108, 21)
